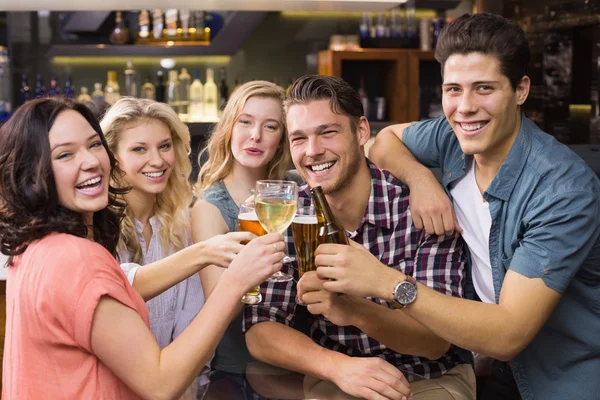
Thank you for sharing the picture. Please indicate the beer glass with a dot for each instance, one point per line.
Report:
(248, 222)
(275, 203)
(305, 231)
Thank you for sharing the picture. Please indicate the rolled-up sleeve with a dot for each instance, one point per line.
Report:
(130, 270)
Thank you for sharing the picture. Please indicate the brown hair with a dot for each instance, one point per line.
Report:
(29, 206)
(487, 34)
(342, 98)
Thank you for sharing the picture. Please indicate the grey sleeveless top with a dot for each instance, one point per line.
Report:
(232, 354)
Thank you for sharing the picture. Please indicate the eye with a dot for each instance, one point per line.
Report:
(452, 89)
(484, 88)
(138, 149)
(329, 132)
(96, 144)
(244, 122)
(63, 156)
(296, 139)
(165, 146)
(271, 127)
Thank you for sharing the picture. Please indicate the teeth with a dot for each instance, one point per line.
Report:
(321, 167)
(472, 127)
(154, 174)
(90, 182)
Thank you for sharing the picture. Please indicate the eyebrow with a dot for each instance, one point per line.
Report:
(161, 142)
(319, 128)
(473, 83)
(252, 116)
(71, 143)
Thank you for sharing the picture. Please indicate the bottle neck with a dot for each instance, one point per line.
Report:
(322, 208)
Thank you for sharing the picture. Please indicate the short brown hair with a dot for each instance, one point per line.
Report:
(342, 98)
(487, 34)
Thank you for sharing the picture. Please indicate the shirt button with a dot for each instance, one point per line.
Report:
(449, 175)
(546, 272)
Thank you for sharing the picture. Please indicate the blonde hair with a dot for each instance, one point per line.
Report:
(220, 158)
(171, 205)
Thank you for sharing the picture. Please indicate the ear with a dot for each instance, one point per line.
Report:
(363, 130)
(523, 90)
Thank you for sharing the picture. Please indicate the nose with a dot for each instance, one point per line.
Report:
(313, 147)
(256, 133)
(467, 104)
(155, 159)
(90, 161)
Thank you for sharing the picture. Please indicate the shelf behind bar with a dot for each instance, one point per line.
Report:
(108, 50)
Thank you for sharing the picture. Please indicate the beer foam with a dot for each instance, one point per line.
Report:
(305, 219)
(248, 216)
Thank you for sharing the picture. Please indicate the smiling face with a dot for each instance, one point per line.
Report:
(325, 149)
(257, 132)
(80, 164)
(481, 105)
(146, 156)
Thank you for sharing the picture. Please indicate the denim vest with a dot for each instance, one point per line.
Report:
(545, 209)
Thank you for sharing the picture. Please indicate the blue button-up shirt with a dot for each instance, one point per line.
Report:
(545, 209)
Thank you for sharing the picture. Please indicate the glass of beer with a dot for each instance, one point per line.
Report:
(305, 231)
(276, 203)
(248, 222)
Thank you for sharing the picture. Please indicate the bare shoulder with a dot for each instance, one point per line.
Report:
(207, 221)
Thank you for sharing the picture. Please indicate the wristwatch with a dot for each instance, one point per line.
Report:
(405, 292)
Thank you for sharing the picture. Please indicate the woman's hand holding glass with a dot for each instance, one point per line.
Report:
(220, 250)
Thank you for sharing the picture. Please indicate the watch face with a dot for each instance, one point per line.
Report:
(406, 293)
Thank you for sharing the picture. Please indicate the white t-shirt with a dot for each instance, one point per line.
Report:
(473, 215)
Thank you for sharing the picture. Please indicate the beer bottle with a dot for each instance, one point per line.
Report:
(330, 230)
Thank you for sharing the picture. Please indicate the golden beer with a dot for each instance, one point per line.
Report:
(305, 230)
(248, 222)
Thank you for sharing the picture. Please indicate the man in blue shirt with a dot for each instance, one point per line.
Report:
(528, 208)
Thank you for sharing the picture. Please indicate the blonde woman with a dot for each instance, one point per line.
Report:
(247, 144)
(151, 146)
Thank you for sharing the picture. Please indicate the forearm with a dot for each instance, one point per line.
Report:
(153, 279)
(398, 331)
(389, 153)
(282, 346)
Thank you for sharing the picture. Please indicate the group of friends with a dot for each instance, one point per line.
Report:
(125, 282)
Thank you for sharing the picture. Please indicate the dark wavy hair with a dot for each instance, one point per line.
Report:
(29, 207)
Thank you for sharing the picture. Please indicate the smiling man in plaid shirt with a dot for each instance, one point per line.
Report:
(361, 345)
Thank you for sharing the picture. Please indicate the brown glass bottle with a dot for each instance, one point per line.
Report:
(330, 230)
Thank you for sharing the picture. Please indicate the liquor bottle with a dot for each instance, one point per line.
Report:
(173, 91)
(68, 93)
(112, 91)
(171, 23)
(380, 27)
(5, 85)
(160, 87)
(223, 90)
(98, 93)
(595, 112)
(199, 26)
(83, 95)
(148, 91)
(363, 28)
(196, 96)
(144, 25)
(184, 20)
(364, 98)
(185, 81)
(130, 80)
(157, 24)
(210, 96)
(54, 90)
(40, 90)
(25, 91)
(120, 34)
(330, 230)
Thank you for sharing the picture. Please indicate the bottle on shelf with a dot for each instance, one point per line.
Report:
(5, 85)
(160, 87)
(223, 89)
(98, 93)
(130, 80)
(199, 31)
(120, 34)
(171, 23)
(330, 230)
(364, 98)
(54, 90)
(196, 96)
(184, 18)
(185, 80)
(144, 25)
(148, 91)
(25, 91)
(68, 93)
(112, 91)
(173, 91)
(83, 95)
(157, 24)
(363, 28)
(380, 30)
(210, 96)
(40, 90)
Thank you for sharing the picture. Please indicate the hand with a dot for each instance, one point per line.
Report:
(220, 250)
(340, 310)
(432, 209)
(370, 378)
(354, 271)
(259, 259)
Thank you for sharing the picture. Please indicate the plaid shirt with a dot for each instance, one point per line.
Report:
(387, 231)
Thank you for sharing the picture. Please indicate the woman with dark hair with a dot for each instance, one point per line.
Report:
(75, 327)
